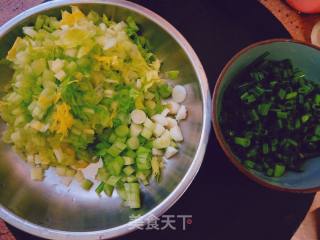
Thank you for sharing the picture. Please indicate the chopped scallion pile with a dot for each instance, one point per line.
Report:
(275, 127)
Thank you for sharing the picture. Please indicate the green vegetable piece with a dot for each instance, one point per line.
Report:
(291, 95)
(133, 143)
(264, 108)
(105, 20)
(122, 131)
(133, 195)
(173, 74)
(131, 179)
(130, 153)
(113, 180)
(146, 133)
(112, 138)
(165, 90)
(317, 99)
(102, 174)
(282, 93)
(100, 188)
(108, 189)
(115, 166)
(94, 17)
(265, 148)
(317, 130)
(305, 118)
(269, 172)
(132, 24)
(282, 115)
(279, 170)
(86, 184)
(39, 22)
(116, 148)
(249, 164)
(254, 115)
(250, 98)
(128, 170)
(121, 191)
(143, 158)
(128, 160)
(143, 177)
(243, 142)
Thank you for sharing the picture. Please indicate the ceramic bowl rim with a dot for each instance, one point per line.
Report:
(217, 128)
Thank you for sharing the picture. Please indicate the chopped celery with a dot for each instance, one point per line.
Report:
(116, 148)
(146, 133)
(128, 160)
(173, 74)
(113, 180)
(102, 174)
(87, 184)
(133, 194)
(143, 158)
(78, 96)
(130, 153)
(122, 131)
(121, 191)
(128, 170)
(133, 143)
(143, 176)
(100, 188)
(165, 90)
(112, 138)
(155, 165)
(115, 166)
(131, 178)
(108, 189)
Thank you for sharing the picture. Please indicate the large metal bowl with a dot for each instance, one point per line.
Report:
(51, 210)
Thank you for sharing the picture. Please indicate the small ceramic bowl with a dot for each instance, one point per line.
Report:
(304, 56)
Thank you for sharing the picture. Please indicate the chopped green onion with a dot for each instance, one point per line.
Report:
(291, 95)
(265, 148)
(279, 170)
(244, 142)
(249, 164)
(305, 118)
(264, 108)
(282, 93)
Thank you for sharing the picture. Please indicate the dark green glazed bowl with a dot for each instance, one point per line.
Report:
(304, 56)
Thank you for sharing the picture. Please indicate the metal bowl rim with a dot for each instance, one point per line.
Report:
(162, 207)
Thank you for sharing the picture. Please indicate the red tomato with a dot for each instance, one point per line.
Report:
(305, 6)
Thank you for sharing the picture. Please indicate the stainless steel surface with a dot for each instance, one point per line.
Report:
(51, 210)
